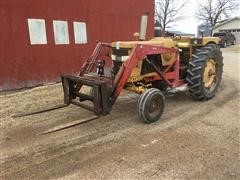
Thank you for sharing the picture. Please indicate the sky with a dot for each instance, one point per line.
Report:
(189, 22)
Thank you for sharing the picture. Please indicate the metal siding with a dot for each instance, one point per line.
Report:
(26, 65)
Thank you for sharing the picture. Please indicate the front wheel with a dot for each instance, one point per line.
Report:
(151, 105)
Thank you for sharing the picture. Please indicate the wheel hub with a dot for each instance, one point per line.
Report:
(209, 73)
(154, 107)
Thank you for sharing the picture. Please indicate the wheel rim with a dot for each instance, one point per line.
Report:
(210, 72)
(154, 107)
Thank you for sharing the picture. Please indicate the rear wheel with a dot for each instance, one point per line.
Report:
(151, 105)
(205, 72)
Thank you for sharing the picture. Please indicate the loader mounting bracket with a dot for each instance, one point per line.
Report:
(100, 96)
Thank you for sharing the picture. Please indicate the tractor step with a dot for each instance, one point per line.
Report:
(173, 91)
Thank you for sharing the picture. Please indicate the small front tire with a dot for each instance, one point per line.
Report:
(151, 105)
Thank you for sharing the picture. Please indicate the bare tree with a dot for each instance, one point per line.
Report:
(214, 11)
(167, 12)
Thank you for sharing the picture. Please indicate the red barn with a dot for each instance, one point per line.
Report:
(40, 40)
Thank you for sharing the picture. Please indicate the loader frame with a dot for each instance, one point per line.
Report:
(107, 89)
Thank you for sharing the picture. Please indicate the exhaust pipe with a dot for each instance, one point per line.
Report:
(143, 26)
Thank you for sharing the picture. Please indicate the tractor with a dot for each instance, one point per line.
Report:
(153, 68)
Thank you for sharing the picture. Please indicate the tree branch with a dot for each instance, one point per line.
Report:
(215, 10)
(168, 11)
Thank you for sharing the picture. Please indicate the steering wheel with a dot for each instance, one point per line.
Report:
(174, 35)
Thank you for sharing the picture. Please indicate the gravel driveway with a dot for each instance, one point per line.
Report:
(194, 140)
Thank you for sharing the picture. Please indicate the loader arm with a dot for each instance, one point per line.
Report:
(106, 88)
(139, 52)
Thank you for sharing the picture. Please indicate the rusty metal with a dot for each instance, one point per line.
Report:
(70, 124)
(101, 92)
(41, 110)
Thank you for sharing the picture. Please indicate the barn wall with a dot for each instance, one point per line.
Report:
(25, 65)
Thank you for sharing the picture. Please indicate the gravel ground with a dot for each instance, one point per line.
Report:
(193, 140)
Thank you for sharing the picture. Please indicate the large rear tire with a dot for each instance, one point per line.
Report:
(205, 72)
(151, 105)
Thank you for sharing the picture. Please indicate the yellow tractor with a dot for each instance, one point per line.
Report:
(152, 68)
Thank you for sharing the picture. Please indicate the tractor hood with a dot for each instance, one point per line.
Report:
(161, 41)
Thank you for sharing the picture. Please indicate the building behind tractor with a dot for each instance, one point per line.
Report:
(152, 68)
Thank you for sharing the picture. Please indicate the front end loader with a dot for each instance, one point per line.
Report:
(152, 68)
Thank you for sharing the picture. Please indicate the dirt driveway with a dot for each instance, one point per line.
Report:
(194, 140)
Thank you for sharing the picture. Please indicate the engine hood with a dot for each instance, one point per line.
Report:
(161, 41)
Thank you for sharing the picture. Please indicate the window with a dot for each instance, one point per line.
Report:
(37, 31)
(80, 32)
(60, 29)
